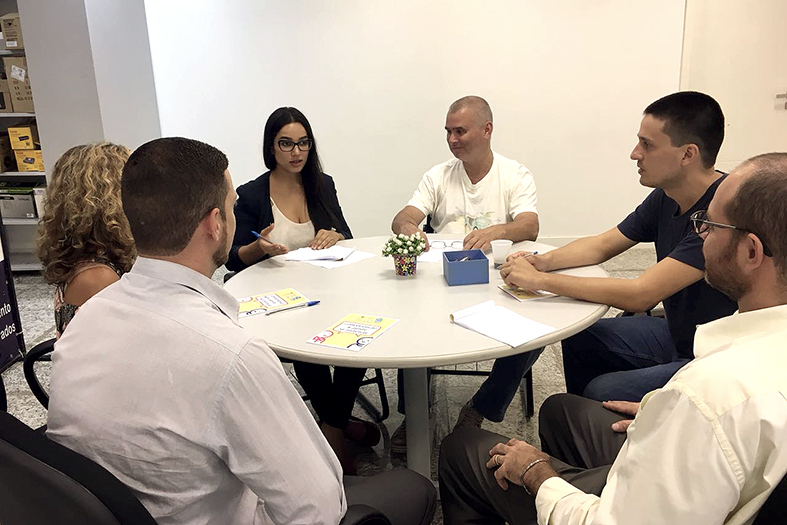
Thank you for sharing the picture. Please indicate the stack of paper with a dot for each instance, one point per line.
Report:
(354, 257)
(334, 253)
(500, 323)
(435, 253)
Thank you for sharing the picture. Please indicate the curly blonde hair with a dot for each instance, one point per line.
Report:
(83, 215)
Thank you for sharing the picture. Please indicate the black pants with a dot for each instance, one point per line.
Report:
(403, 496)
(332, 398)
(575, 431)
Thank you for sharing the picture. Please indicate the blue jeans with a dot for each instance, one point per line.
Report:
(622, 358)
(497, 390)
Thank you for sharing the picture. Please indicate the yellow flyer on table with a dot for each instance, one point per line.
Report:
(353, 331)
(264, 302)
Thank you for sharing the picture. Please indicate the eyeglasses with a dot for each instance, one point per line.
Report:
(701, 224)
(457, 245)
(287, 145)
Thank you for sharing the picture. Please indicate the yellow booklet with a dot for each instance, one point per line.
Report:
(523, 295)
(353, 331)
(264, 302)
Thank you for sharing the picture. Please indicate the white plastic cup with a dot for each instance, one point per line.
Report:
(500, 250)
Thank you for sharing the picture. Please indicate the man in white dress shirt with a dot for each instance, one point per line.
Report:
(707, 448)
(156, 381)
(480, 196)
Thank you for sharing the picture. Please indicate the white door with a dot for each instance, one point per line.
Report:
(736, 51)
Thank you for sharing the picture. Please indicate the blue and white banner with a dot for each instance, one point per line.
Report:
(10, 331)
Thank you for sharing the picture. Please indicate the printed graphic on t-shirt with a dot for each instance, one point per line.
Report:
(467, 223)
(480, 221)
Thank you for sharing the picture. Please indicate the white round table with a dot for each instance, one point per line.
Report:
(424, 335)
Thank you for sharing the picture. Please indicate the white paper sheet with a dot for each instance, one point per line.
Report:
(334, 253)
(500, 323)
(352, 258)
(436, 254)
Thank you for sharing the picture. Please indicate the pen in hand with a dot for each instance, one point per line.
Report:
(293, 307)
(257, 235)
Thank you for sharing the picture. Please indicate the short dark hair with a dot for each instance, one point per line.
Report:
(760, 205)
(691, 117)
(168, 186)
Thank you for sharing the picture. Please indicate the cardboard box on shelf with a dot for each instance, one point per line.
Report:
(29, 160)
(17, 202)
(23, 137)
(19, 83)
(5, 97)
(12, 32)
(7, 158)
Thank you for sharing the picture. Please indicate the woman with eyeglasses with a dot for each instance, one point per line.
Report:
(292, 206)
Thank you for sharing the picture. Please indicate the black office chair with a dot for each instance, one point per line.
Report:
(377, 379)
(43, 482)
(526, 389)
(39, 352)
(3, 398)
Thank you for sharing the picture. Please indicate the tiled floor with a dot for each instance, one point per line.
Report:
(449, 392)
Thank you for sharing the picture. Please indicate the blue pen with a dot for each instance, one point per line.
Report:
(257, 235)
(293, 307)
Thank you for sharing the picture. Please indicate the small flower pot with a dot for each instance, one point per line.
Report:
(405, 264)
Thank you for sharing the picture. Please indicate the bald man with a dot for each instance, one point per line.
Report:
(481, 196)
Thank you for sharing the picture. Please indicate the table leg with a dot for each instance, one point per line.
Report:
(416, 404)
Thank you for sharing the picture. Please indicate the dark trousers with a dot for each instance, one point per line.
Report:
(498, 389)
(575, 431)
(403, 496)
(621, 358)
(332, 398)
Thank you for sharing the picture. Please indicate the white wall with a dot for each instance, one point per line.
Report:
(124, 72)
(567, 81)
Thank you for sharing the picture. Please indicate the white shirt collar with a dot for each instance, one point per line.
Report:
(192, 279)
(723, 333)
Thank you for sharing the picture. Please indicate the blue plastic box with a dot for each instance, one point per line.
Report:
(472, 271)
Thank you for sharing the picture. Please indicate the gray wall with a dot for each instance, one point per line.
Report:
(90, 73)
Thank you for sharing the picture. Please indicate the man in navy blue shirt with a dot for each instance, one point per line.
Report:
(624, 358)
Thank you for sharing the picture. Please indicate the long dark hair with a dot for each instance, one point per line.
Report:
(311, 174)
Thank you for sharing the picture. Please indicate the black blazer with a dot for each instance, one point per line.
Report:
(253, 212)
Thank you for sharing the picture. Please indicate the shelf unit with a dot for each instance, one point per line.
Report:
(20, 233)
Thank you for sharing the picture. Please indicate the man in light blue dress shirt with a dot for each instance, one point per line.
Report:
(156, 381)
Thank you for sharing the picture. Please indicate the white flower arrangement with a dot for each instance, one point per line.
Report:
(404, 245)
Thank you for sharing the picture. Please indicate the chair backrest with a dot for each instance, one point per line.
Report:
(774, 511)
(3, 399)
(39, 352)
(43, 482)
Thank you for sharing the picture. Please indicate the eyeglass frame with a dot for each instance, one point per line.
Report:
(310, 143)
(697, 221)
(436, 244)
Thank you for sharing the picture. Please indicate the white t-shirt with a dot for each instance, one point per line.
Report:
(458, 206)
